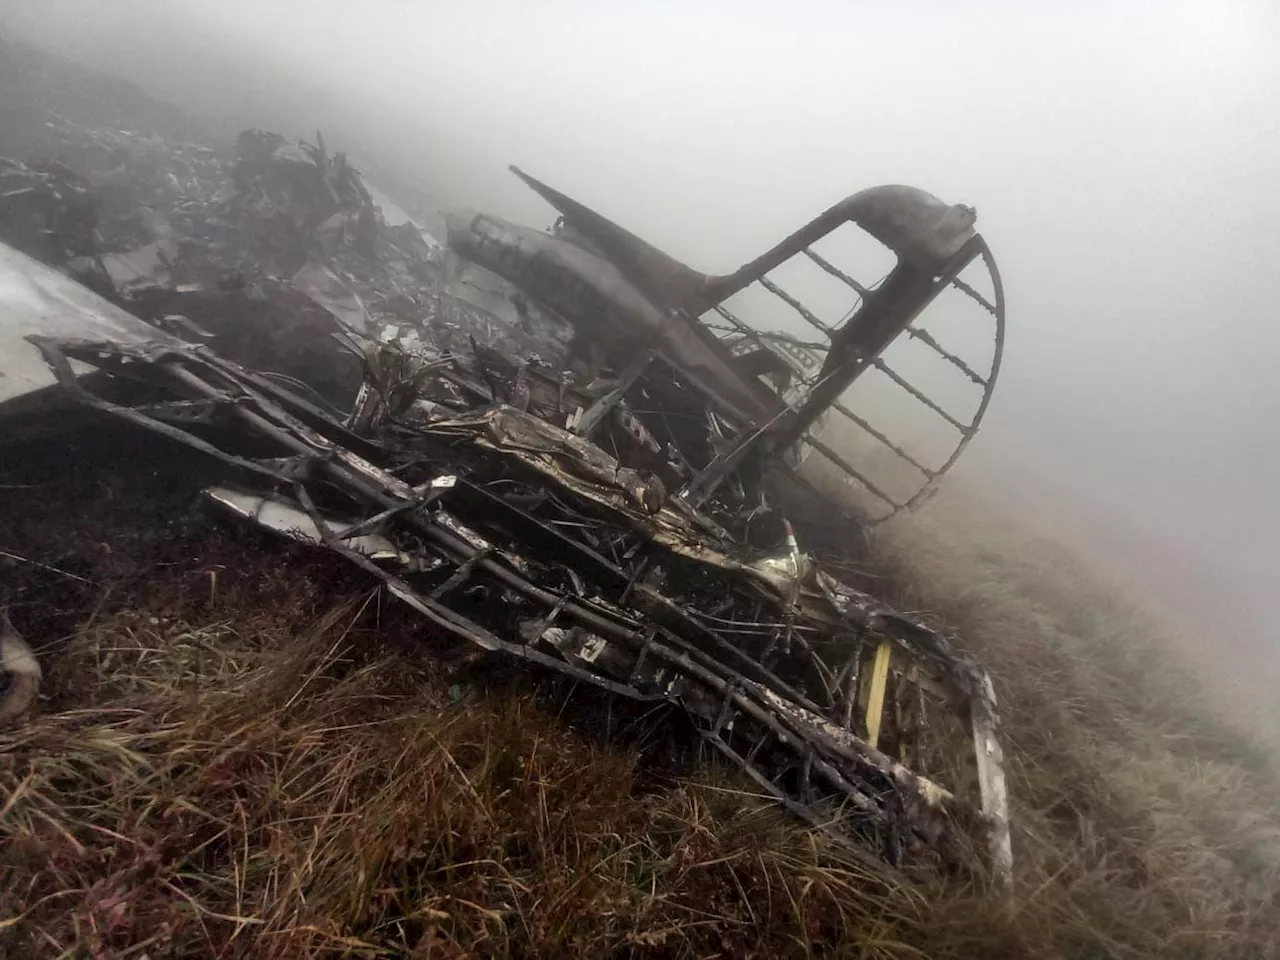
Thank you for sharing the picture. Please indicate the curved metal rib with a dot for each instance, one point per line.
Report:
(913, 223)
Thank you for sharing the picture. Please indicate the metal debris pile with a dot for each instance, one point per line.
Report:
(276, 241)
(534, 441)
(51, 213)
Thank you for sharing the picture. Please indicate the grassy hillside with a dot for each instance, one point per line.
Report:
(258, 761)
(1145, 825)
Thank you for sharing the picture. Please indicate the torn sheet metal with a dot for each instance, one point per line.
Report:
(168, 229)
(593, 295)
(326, 289)
(21, 668)
(37, 299)
(566, 459)
(281, 516)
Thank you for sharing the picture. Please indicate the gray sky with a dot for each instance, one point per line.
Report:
(1122, 158)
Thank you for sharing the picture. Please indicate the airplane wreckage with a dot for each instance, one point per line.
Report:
(565, 447)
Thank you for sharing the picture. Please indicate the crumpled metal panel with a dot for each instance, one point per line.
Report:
(568, 460)
(595, 296)
(37, 299)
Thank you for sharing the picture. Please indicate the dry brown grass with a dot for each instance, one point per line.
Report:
(201, 787)
(274, 768)
(1145, 825)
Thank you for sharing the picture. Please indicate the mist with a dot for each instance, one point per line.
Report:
(1122, 159)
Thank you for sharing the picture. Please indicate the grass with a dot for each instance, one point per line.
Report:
(261, 762)
(1145, 825)
(269, 786)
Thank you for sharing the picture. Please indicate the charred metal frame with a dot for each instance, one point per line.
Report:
(601, 621)
(933, 244)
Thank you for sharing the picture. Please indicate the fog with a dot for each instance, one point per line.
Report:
(1122, 157)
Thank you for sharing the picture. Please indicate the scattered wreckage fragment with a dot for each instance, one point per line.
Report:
(37, 299)
(266, 251)
(22, 668)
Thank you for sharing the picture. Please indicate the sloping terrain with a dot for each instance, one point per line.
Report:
(1145, 824)
(244, 750)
